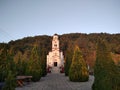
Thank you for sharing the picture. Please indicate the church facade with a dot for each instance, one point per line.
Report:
(55, 58)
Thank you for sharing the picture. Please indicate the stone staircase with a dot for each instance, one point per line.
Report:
(55, 70)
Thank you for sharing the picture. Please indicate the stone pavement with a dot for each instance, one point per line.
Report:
(56, 81)
(55, 70)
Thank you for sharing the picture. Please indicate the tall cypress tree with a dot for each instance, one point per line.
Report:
(78, 70)
(3, 58)
(10, 81)
(68, 60)
(43, 61)
(105, 71)
(34, 66)
(6, 63)
(7, 68)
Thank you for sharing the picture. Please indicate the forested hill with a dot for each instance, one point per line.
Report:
(86, 42)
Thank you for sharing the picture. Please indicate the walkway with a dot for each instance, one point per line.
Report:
(56, 81)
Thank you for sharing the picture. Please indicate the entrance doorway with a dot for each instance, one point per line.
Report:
(55, 64)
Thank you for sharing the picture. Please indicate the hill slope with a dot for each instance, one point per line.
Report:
(87, 43)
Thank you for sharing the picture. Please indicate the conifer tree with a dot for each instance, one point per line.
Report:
(43, 61)
(3, 57)
(6, 62)
(7, 68)
(78, 70)
(105, 71)
(10, 82)
(21, 63)
(68, 60)
(34, 65)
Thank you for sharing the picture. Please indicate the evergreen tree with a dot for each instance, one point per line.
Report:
(10, 64)
(21, 67)
(21, 63)
(43, 61)
(78, 70)
(7, 67)
(118, 65)
(6, 64)
(105, 71)
(68, 60)
(34, 65)
(3, 57)
(10, 82)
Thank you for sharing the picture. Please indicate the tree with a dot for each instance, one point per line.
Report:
(43, 61)
(18, 61)
(105, 71)
(118, 65)
(68, 60)
(10, 82)
(7, 67)
(6, 64)
(78, 70)
(34, 65)
(3, 58)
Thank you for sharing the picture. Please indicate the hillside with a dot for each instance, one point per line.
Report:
(87, 43)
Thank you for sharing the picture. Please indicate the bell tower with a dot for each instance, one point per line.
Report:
(55, 58)
(55, 43)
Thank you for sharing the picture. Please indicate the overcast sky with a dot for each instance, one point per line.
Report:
(22, 18)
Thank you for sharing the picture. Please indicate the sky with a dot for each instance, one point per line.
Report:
(23, 18)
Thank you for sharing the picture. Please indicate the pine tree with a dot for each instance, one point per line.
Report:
(105, 71)
(78, 70)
